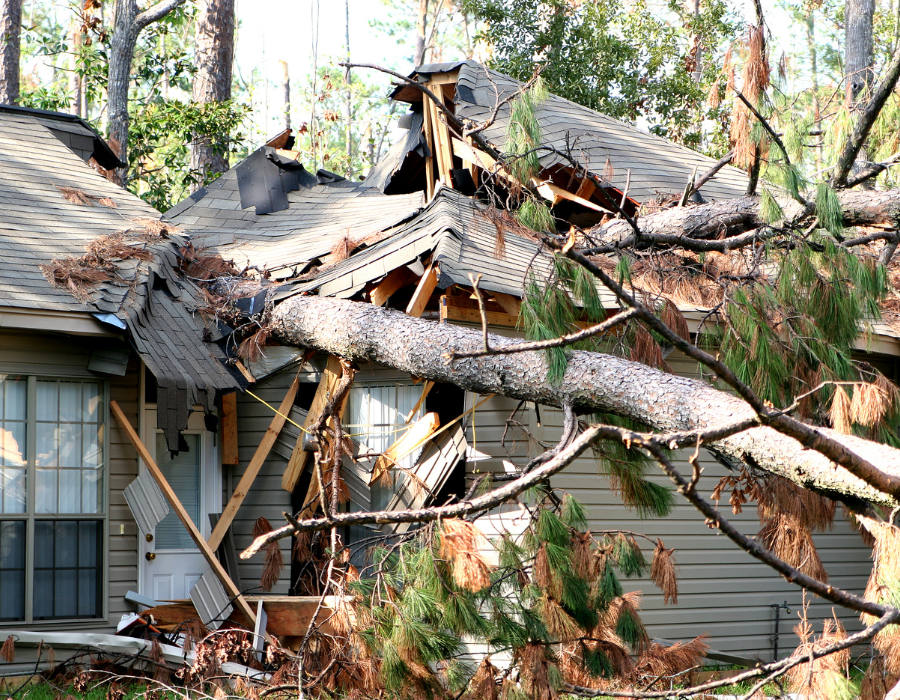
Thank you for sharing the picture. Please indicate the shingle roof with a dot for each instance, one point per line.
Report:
(461, 237)
(158, 306)
(283, 242)
(656, 164)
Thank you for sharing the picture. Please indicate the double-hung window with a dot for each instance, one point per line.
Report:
(52, 509)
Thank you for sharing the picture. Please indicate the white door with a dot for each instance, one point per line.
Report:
(171, 562)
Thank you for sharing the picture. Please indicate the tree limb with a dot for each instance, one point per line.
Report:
(866, 121)
(156, 13)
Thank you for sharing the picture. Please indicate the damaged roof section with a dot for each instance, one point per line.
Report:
(607, 147)
(271, 213)
(71, 241)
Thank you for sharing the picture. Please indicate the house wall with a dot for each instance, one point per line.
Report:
(722, 590)
(56, 355)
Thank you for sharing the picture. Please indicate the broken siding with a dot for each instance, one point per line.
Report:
(66, 356)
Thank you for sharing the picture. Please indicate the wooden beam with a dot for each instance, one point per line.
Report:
(456, 309)
(243, 487)
(441, 136)
(510, 304)
(182, 514)
(429, 141)
(422, 295)
(420, 431)
(554, 193)
(244, 371)
(425, 390)
(325, 390)
(396, 279)
(229, 429)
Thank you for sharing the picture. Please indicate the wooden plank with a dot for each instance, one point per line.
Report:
(243, 487)
(246, 372)
(421, 430)
(398, 278)
(422, 295)
(229, 429)
(444, 78)
(429, 385)
(297, 462)
(453, 310)
(208, 553)
(442, 137)
(510, 304)
(429, 140)
(554, 192)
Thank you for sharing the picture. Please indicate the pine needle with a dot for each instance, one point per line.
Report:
(789, 539)
(675, 320)
(483, 685)
(870, 404)
(8, 650)
(662, 572)
(839, 413)
(462, 545)
(274, 558)
(645, 349)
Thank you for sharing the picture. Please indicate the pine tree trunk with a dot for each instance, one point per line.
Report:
(286, 92)
(10, 31)
(858, 59)
(127, 26)
(212, 83)
(593, 382)
(421, 28)
(810, 22)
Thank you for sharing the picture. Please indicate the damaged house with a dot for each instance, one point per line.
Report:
(111, 351)
(412, 236)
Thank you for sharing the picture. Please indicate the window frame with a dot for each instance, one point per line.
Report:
(30, 517)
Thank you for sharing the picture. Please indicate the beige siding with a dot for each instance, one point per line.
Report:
(722, 590)
(67, 356)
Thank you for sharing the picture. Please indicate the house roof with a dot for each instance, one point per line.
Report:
(460, 236)
(317, 214)
(39, 224)
(657, 165)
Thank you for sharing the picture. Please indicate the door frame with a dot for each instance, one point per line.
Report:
(210, 477)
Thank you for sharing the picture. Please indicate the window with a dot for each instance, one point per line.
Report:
(377, 418)
(52, 509)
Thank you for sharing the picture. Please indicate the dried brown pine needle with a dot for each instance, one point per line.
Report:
(661, 660)
(483, 685)
(789, 539)
(675, 320)
(462, 545)
(662, 572)
(8, 650)
(583, 562)
(839, 412)
(108, 202)
(534, 669)
(820, 679)
(645, 349)
(775, 494)
(870, 403)
(274, 558)
(76, 196)
(343, 248)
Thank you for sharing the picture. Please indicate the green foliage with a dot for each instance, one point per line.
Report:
(628, 556)
(770, 210)
(627, 61)
(535, 214)
(828, 209)
(629, 627)
(573, 514)
(607, 589)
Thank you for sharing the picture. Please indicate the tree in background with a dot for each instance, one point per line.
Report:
(212, 82)
(10, 32)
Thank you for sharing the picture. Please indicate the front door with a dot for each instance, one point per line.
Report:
(171, 562)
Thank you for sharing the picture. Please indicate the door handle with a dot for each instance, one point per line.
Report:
(150, 556)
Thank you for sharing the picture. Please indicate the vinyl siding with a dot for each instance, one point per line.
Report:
(722, 590)
(56, 355)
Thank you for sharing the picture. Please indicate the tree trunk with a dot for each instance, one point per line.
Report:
(735, 216)
(286, 92)
(127, 27)
(810, 23)
(10, 32)
(75, 79)
(212, 83)
(421, 29)
(592, 382)
(858, 59)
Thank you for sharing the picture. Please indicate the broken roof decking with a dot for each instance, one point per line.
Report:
(461, 238)
(317, 217)
(158, 306)
(656, 164)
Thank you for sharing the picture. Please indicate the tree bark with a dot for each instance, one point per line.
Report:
(733, 217)
(421, 30)
(10, 34)
(859, 57)
(592, 382)
(127, 27)
(212, 83)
